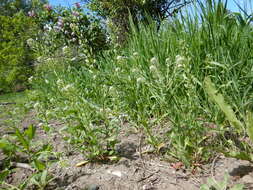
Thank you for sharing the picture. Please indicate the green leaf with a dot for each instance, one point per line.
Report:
(204, 187)
(34, 180)
(44, 177)
(219, 100)
(239, 155)
(238, 187)
(39, 165)
(3, 175)
(6, 146)
(22, 139)
(30, 132)
(249, 125)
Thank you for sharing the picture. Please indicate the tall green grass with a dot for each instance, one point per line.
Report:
(156, 83)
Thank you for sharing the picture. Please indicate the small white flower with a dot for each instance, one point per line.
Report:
(140, 80)
(30, 79)
(40, 59)
(49, 59)
(153, 68)
(119, 58)
(74, 59)
(59, 82)
(117, 69)
(65, 108)
(36, 105)
(167, 60)
(40, 124)
(30, 42)
(67, 87)
(48, 113)
(135, 70)
(72, 25)
(46, 81)
(180, 60)
(135, 54)
(65, 49)
(112, 90)
(154, 60)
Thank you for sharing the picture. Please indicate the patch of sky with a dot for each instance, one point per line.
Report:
(233, 5)
(65, 3)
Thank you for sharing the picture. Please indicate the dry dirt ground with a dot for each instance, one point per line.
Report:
(134, 171)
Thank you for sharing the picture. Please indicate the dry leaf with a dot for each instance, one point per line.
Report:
(177, 165)
(82, 163)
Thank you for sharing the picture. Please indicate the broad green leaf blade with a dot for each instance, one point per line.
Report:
(239, 155)
(219, 100)
(39, 165)
(6, 146)
(30, 132)
(3, 175)
(249, 125)
(204, 187)
(44, 177)
(237, 187)
(22, 139)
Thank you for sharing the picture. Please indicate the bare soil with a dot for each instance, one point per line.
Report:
(134, 171)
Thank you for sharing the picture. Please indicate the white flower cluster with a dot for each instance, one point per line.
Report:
(67, 87)
(180, 60)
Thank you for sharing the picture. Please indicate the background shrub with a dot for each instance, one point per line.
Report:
(15, 55)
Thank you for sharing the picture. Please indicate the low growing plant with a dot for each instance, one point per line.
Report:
(238, 126)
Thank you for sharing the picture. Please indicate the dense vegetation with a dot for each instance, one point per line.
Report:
(15, 56)
(185, 85)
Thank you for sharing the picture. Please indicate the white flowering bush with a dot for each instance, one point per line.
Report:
(62, 27)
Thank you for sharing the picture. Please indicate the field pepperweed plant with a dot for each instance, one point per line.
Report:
(187, 87)
(156, 82)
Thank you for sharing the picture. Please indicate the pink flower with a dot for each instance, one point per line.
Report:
(78, 5)
(60, 22)
(75, 13)
(48, 7)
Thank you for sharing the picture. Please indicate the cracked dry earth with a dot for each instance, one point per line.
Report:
(132, 172)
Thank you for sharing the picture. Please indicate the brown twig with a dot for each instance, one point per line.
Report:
(7, 103)
(150, 175)
(213, 166)
(22, 165)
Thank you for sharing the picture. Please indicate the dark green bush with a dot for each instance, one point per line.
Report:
(15, 55)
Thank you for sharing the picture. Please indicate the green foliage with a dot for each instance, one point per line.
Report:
(10, 7)
(212, 184)
(15, 55)
(20, 148)
(156, 82)
(118, 12)
(22, 142)
(89, 125)
(66, 28)
(231, 116)
(219, 100)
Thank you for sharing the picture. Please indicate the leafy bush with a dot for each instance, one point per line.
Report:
(117, 13)
(62, 27)
(16, 58)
